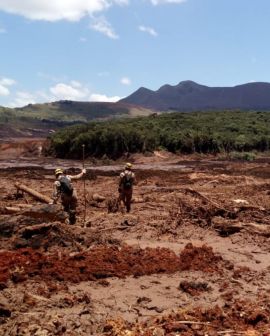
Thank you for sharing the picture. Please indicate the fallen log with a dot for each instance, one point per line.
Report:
(260, 229)
(203, 198)
(15, 209)
(35, 194)
(24, 205)
(226, 228)
(11, 210)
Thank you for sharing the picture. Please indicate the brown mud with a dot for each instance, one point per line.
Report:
(192, 257)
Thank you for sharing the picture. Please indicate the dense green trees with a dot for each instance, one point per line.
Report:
(202, 132)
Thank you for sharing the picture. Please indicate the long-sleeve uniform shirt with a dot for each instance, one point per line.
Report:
(57, 185)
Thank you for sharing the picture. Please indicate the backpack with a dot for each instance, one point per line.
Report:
(127, 181)
(66, 186)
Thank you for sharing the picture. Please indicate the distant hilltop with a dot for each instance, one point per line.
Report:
(190, 96)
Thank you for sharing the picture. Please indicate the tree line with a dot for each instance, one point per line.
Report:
(195, 132)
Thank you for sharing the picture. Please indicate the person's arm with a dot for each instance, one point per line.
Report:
(134, 179)
(56, 191)
(77, 177)
(120, 183)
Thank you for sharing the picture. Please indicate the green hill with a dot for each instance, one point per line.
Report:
(42, 119)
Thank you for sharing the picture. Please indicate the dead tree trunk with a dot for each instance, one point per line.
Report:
(35, 194)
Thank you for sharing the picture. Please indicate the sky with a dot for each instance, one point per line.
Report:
(104, 50)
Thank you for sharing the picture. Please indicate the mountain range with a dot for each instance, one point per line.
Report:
(190, 96)
(41, 119)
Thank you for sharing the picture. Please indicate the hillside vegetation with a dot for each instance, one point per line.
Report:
(202, 132)
(39, 118)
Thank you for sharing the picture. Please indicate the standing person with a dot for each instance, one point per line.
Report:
(126, 181)
(63, 188)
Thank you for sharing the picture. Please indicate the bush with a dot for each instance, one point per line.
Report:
(243, 156)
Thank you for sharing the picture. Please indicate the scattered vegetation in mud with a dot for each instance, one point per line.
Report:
(240, 318)
(103, 262)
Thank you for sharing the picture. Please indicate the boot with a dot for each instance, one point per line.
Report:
(72, 217)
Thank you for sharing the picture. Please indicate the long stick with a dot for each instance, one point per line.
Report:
(84, 192)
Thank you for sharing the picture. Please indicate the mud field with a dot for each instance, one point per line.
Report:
(192, 257)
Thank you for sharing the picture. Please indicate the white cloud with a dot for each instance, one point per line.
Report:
(121, 2)
(96, 97)
(101, 25)
(72, 91)
(42, 96)
(49, 10)
(4, 91)
(125, 81)
(160, 2)
(76, 84)
(23, 98)
(4, 82)
(148, 30)
(7, 81)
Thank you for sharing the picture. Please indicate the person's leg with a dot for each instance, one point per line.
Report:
(65, 203)
(128, 200)
(66, 207)
(72, 209)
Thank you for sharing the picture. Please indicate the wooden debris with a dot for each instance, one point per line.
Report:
(113, 205)
(32, 192)
(226, 228)
(138, 200)
(51, 212)
(10, 210)
(98, 198)
(29, 231)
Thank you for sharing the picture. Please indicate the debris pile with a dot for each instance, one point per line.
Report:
(237, 319)
(102, 262)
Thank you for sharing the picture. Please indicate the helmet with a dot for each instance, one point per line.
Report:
(58, 171)
(128, 165)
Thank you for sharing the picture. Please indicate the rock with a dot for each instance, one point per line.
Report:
(98, 198)
(29, 299)
(158, 332)
(5, 310)
(51, 212)
(7, 226)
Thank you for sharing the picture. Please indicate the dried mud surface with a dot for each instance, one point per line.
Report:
(192, 257)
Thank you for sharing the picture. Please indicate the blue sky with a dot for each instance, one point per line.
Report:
(103, 50)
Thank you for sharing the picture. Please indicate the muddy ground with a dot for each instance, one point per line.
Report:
(192, 257)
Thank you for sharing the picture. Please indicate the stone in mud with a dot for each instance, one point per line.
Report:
(5, 310)
(47, 212)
